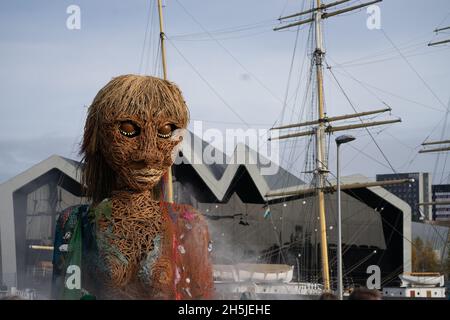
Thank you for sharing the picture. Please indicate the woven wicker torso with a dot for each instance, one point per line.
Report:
(151, 250)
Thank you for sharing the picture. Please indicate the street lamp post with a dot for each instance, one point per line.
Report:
(340, 140)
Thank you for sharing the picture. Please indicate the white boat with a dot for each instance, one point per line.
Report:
(258, 273)
(425, 279)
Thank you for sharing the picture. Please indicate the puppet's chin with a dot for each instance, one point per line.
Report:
(142, 180)
(142, 183)
(140, 186)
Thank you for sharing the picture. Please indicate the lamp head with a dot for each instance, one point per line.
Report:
(344, 139)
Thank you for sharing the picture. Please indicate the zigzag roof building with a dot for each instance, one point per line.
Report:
(246, 225)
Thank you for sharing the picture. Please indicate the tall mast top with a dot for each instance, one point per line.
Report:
(168, 185)
(162, 36)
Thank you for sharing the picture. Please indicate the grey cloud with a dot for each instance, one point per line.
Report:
(17, 155)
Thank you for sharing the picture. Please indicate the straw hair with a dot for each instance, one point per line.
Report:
(144, 96)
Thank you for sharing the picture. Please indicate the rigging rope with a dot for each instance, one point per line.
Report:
(368, 131)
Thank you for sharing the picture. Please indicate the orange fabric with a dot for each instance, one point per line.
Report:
(192, 268)
(182, 270)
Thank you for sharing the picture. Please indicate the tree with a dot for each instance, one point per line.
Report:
(446, 263)
(424, 258)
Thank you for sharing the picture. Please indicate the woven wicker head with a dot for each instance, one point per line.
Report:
(131, 131)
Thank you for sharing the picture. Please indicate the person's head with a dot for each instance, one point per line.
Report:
(11, 297)
(365, 294)
(130, 134)
(328, 296)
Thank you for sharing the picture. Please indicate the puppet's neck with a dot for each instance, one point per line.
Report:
(133, 194)
(132, 198)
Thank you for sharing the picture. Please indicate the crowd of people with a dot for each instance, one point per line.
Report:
(360, 293)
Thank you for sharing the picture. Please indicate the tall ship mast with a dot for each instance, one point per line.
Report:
(324, 125)
(168, 179)
(437, 146)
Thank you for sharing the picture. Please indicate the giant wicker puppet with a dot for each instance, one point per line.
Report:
(129, 243)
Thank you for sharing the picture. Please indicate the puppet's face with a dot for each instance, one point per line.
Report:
(139, 148)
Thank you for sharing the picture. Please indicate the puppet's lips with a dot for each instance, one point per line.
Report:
(147, 174)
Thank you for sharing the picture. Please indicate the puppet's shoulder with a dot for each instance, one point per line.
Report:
(70, 217)
(70, 226)
(68, 221)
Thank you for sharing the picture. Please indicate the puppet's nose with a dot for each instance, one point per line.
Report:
(148, 154)
(152, 159)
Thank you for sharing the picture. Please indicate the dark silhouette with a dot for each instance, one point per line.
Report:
(365, 294)
(328, 296)
(11, 298)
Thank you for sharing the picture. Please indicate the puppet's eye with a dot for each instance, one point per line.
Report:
(129, 129)
(166, 130)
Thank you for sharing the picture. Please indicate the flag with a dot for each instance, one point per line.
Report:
(267, 213)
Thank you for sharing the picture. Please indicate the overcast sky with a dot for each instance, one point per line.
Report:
(230, 65)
